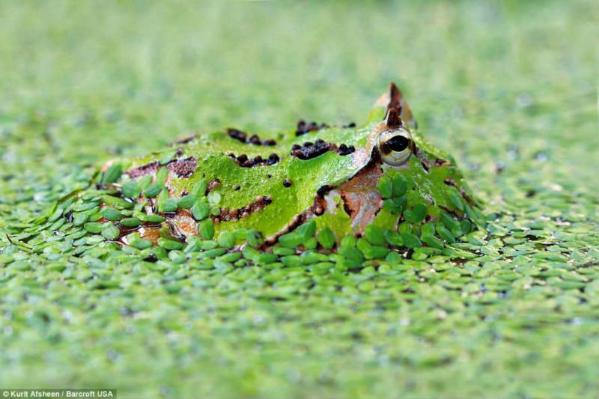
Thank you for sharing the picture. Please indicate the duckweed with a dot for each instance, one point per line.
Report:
(506, 311)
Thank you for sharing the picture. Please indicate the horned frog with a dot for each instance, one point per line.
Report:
(377, 188)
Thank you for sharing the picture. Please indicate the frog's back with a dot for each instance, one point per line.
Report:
(259, 182)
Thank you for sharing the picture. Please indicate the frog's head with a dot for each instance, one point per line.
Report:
(400, 180)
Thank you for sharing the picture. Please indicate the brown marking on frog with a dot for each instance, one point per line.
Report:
(297, 221)
(320, 206)
(182, 224)
(361, 198)
(147, 169)
(151, 233)
(227, 215)
(394, 101)
(183, 167)
(180, 167)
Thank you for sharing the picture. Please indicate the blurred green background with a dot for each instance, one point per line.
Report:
(508, 88)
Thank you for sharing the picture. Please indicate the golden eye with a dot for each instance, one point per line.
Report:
(395, 146)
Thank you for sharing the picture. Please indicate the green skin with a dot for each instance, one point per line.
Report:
(433, 184)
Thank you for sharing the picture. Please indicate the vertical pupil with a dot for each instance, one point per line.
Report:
(397, 143)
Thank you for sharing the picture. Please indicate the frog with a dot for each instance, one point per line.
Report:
(377, 187)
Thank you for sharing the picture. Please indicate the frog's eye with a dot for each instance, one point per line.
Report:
(395, 146)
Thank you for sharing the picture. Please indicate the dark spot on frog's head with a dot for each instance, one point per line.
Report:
(254, 139)
(245, 162)
(309, 150)
(303, 127)
(287, 183)
(345, 149)
(350, 125)
(272, 159)
(237, 134)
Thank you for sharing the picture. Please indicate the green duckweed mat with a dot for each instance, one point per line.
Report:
(508, 89)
